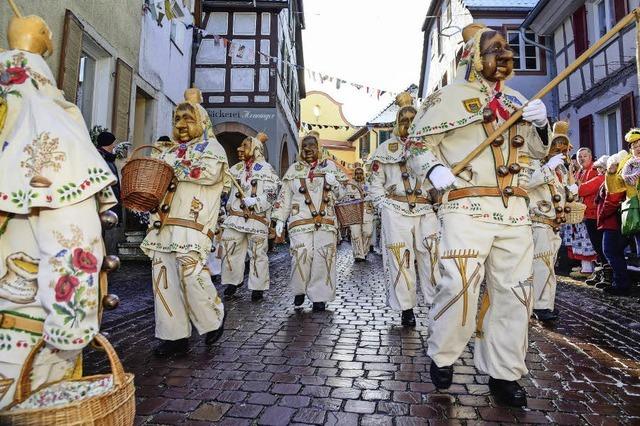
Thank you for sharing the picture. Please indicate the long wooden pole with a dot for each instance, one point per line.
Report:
(634, 15)
(15, 9)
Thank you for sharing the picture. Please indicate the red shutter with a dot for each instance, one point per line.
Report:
(627, 113)
(580, 36)
(585, 126)
(620, 9)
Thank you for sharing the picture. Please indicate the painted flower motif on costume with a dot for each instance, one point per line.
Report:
(74, 288)
(43, 153)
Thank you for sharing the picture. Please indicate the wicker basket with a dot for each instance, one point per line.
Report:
(144, 182)
(351, 212)
(116, 407)
(576, 215)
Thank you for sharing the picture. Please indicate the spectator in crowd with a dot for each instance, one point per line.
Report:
(626, 179)
(608, 204)
(106, 143)
(589, 180)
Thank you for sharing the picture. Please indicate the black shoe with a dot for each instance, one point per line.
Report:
(595, 278)
(319, 306)
(602, 285)
(617, 291)
(441, 376)
(508, 392)
(298, 300)
(257, 295)
(408, 318)
(213, 336)
(545, 315)
(230, 290)
(172, 347)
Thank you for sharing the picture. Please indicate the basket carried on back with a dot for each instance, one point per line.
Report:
(576, 215)
(351, 212)
(116, 406)
(144, 182)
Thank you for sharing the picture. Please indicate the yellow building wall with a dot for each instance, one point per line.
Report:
(320, 108)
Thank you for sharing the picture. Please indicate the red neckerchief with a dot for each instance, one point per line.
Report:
(497, 106)
(313, 165)
(248, 168)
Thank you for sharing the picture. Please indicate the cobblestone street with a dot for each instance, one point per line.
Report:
(354, 364)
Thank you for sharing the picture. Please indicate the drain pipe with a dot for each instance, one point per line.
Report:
(553, 68)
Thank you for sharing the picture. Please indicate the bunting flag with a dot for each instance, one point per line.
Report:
(240, 50)
(311, 126)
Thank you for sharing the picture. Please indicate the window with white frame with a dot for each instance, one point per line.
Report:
(525, 55)
(612, 130)
(605, 16)
(94, 83)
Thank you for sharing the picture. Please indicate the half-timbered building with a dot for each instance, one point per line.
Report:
(442, 45)
(599, 100)
(248, 66)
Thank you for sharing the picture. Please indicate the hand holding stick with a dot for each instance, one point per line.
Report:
(235, 183)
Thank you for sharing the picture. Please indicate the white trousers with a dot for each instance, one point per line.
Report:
(183, 293)
(470, 251)
(361, 239)
(409, 243)
(235, 246)
(313, 265)
(546, 244)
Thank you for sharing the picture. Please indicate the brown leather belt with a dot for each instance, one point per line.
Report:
(403, 199)
(238, 213)
(547, 221)
(484, 191)
(188, 224)
(311, 221)
(20, 323)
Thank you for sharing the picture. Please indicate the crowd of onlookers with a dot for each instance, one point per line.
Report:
(605, 246)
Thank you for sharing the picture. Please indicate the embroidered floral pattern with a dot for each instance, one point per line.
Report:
(71, 190)
(43, 153)
(15, 71)
(21, 198)
(73, 288)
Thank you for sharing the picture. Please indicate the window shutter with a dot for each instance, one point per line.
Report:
(580, 37)
(627, 113)
(70, 53)
(586, 132)
(122, 101)
(620, 9)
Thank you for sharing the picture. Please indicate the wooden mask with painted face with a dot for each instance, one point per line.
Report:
(186, 126)
(497, 57)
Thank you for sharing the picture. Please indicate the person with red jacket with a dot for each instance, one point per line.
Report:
(589, 179)
(613, 243)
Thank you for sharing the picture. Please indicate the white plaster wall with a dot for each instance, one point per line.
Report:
(165, 67)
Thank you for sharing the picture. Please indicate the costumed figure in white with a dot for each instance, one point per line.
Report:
(410, 229)
(306, 203)
(182, 230)
(357, 189)
(246, 226)
(486, 228)
(54, 191)
(549, 188)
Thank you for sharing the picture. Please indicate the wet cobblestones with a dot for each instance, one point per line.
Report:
(354, 364)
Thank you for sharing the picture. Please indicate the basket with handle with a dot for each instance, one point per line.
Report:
(144, 181)
(576, 214)
(115, 407)
(351, 212)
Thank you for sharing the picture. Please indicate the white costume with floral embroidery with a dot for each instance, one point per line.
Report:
(485, 234)
(251, 233)
(182, 286)
(313, 248)
(53, 184)
(409, 235)
(361, 233)
(543, 185)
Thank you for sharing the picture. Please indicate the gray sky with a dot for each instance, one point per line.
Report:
(372, 42)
